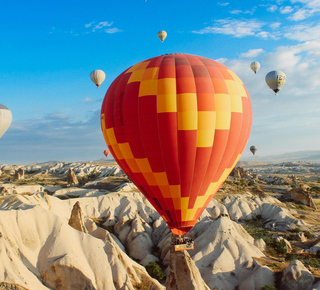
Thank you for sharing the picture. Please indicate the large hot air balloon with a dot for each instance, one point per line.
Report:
(255, 66)
(5, 119)
(253, 149)
(275, 80)
(162, 35)
(97, 76)
(177, 124)
(106, 153)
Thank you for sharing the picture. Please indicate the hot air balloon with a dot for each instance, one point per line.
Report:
(106, 152)
(253, 149)
(275, 80)
(177, 125)
(162, 35)
(5, 119)
(97, 76)
(255, 66)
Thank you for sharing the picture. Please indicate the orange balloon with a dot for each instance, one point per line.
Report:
(106, 152)
(177, 125)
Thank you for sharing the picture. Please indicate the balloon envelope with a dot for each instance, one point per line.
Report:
(5, 119)
(275, 80)
(106, 152)
(253, 149)
(255, 66)
(162, 35)
(97, 76)
(177, 124)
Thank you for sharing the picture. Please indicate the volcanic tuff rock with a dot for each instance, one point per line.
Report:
(183, 273)
(296, 277)
(36, 237)
(72, 178)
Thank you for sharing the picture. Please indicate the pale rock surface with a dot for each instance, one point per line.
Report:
(302, 237)
(72, 178)
(215, 208)
(148, 259)
(76, 219)
(315, 286)
(260, 244)
(314, 248)
(71, 192)
(51, 254)
(183, 273)
(261, 276)
(11, 286)
(224, 254)
(241, 207)
(296, 277)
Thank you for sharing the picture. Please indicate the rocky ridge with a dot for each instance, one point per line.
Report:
(114, 225)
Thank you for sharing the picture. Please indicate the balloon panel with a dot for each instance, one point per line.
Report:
(5, 119)
(177, 125)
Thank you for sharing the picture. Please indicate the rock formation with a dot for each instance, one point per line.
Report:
(76, 219)
(296, 277)
(72, 178)
(303, 196)
(19, 174)
(183, 273)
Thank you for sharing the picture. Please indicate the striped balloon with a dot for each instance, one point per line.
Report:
(177, 125)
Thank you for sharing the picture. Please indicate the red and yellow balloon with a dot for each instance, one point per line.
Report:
(177, 124)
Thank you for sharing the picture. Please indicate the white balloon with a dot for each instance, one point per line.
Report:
(5, 119)
(97, 76)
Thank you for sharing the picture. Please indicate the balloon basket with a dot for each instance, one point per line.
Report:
(181, 244)
(183, 247)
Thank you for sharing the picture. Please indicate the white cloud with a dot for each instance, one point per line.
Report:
(303, 32)
(53, 137)
(87, 100)
(101, 25)
(275, 25)
(223, 3)
(237, 11)
(104, 26)
(272, 8)
(89, 24)
(112, 30)
(286, 9)
(252, 53)
(236, 28)
(308, 9)
(57, 116)
(288, 120)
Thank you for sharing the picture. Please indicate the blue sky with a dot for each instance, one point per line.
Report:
(49, 48)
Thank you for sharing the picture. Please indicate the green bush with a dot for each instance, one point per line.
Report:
(155, 271)
(308, 234)
(295, 230)
(267, 240)
(268, 287)
(290, 257)
(280, 247)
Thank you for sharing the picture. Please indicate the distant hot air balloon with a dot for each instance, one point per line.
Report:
(162, 35)
(97, 76)
(106, 152)
(275, 80)
(255, 66)
(253, 149)
(5, 119)
(177, 125)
